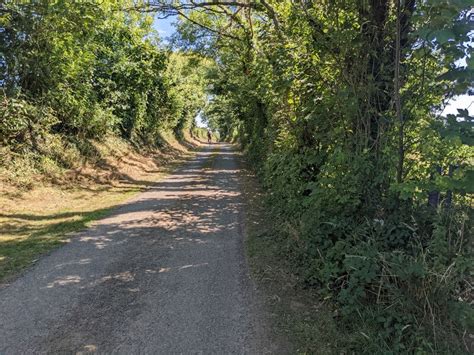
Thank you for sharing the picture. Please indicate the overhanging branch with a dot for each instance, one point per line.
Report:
(173, 8)
(208, 28)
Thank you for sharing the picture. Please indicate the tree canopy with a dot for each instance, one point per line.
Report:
(90, 68)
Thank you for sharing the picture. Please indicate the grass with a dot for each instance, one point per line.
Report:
(37, 220)
(34, 235)
(35, 225)
(298, 313)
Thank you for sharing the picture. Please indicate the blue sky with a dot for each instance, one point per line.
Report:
(165, 29)
(165, 26)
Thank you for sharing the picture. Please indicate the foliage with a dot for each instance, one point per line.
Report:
(186, 78)
(87, 69)
(375, 202)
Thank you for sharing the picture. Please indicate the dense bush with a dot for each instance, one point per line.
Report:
(87, 69)
(24, 121)
(72, 73)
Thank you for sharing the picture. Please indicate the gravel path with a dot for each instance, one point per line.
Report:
(163, 274)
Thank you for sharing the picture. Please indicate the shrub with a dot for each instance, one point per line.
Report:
(408, 285)
(24, 122)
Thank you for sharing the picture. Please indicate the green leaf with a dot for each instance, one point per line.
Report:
(470, 62)
(443, 36)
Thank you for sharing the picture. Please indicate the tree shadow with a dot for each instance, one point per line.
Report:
(184, 225)
(15, 254)
(193, 202)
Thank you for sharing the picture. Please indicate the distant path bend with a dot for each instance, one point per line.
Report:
(163, 274)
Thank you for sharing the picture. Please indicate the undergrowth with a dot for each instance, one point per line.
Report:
(402, 280)
(54, 158)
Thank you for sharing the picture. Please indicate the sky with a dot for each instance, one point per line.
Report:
(165, 29)
(165, 26)
(459, 102)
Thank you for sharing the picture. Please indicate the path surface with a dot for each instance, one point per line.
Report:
(163, 274)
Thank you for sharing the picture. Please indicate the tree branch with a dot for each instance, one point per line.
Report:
(181, 13)
(398, 107)
(271, 12)
(172, 8)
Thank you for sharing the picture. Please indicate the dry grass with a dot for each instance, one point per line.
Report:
(38, 216)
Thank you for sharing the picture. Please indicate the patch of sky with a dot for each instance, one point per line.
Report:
(199, 121)
(165, 27)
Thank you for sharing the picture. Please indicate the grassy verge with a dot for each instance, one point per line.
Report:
(36, 220)
(26, 236)
(298, 313)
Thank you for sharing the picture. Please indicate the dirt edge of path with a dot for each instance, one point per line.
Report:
(301, 322)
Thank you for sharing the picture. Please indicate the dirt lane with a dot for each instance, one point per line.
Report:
(165, 273)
